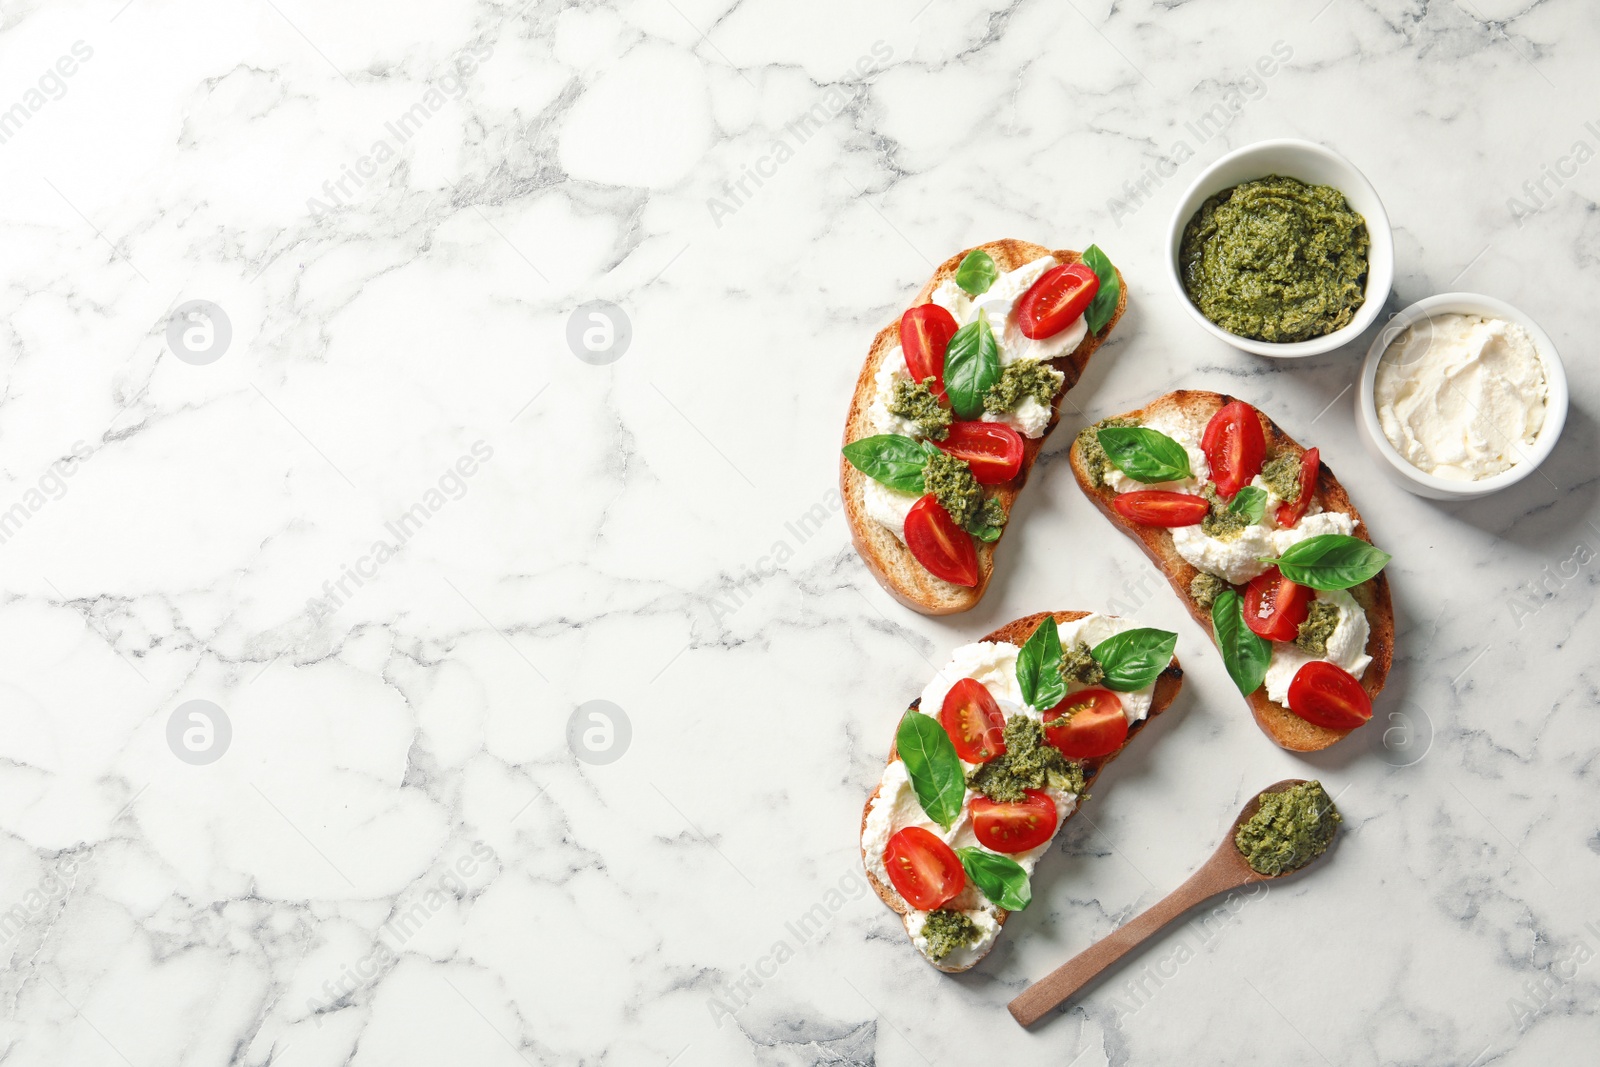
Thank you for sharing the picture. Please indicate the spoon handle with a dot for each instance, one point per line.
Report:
(1054, 988)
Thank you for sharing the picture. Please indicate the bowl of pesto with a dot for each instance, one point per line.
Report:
(1282, 248)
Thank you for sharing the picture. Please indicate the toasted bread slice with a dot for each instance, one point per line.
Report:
(1282, 725)
(889, 560)
(1017, 633)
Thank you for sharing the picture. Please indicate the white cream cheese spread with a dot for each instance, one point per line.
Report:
(1461, 396)
(1347, 647)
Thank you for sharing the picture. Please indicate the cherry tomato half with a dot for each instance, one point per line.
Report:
(1235, 446)
(1056, 300)
(1274, 607)
(925, 333)
(939, 544)
(992, 449)
(974, 721)
(925, 870)
(1088, 724)
(1289, 514)
(1014, 827)
(1157, 507)
(1326, 694)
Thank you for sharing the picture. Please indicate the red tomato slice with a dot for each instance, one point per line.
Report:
(974, 721)
(1056, 300)
(1157, 507)
(1088, 724)
(1326, 694)
(992, 449)
(1014, 827)
(925, 870)
(1274, 607)
(925, 333)
(939, 544)
(1289, 514)
(1235, 446)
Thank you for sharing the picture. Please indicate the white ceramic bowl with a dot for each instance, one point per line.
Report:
(1429, 485)
(1316, 165)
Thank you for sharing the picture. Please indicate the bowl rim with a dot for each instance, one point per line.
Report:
(1380, 262)
(1464, 303)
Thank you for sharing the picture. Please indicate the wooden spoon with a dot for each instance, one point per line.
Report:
(1225, 870)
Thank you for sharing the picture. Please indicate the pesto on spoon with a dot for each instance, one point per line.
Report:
(1282, 829)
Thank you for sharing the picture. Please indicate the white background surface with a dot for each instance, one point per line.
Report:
(622, 541)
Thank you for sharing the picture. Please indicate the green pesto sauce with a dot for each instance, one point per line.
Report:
(1221, 523)
(1282, 476)
(1095, 460)
(1028, 763)
(1289, 830)
(915, 401)
(947, 931)
(1204, 588)
(1320, 623)
(1018, 381)
(1276, 260)
(1077, 665)
(952, 483)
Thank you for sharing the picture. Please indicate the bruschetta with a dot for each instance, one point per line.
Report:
(993, 757)
(1263, 544)
(952, 405)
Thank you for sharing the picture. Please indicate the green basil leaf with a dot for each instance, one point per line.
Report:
(987, 534)
(1039, 666)
(1244, 652)
(890, 458)
(997, 877)
(1133, 658)
(971, 367)
(1144, 455)
(977, 272)
(935, 769)
(1251, 503)
(1331, 561)
(1104, 304)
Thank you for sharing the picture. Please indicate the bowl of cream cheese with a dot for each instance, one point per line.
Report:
(1461, 395)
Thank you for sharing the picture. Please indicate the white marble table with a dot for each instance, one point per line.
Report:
(397, 534)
